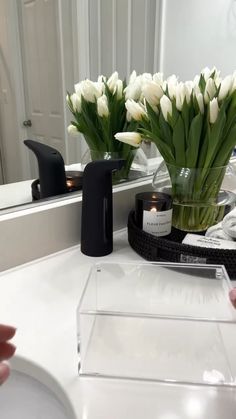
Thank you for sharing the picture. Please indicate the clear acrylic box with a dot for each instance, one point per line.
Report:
(161, 322)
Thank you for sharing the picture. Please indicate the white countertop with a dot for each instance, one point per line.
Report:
(40, 298)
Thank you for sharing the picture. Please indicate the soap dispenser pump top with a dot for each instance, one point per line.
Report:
(51, 166)
(97, 217)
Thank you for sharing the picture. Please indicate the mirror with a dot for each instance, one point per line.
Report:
(47, 46)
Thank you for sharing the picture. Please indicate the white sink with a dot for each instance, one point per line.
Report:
(24, 396)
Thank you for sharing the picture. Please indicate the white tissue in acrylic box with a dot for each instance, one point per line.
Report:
(157, 321)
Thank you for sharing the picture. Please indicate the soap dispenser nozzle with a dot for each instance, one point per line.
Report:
(52, 176)
(97, 217)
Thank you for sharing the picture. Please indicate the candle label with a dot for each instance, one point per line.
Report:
(157, 223)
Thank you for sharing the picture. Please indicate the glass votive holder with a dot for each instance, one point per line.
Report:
(153, 212)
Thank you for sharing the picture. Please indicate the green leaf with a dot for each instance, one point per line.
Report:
(194, 141)
(163, 148)
(179, 142)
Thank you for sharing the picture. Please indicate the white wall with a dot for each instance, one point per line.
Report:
(123, 35)
(196, 34)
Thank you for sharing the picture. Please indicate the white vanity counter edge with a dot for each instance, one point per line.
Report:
(40, 298)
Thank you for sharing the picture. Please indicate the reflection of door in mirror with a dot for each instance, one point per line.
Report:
(42, 69)
(37, 109)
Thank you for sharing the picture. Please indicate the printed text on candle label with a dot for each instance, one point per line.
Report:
(157, 223)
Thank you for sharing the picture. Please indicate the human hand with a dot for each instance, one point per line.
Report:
(7, 350)
(232, 296)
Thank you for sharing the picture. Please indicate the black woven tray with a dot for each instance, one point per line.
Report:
(170, 249)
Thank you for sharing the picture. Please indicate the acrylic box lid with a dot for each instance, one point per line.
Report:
(160, 289)
(158, 321)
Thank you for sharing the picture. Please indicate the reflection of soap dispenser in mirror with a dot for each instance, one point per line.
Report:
(97, 217)
(52, 175)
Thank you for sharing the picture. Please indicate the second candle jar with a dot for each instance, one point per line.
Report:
(153, 212)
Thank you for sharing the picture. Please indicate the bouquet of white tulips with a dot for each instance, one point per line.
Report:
(193, 124)
(99, 112)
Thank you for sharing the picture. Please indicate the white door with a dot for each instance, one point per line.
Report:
(39, 23)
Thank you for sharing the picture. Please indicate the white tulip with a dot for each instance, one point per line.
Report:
(200, 102)
(180, 96)
(91, 90)
(131, 138)
(158, 78)
(152, 92)
(111, 82)
(206, 72)
(210, 90)
(166, 106)
(217, 81)
(172, 83)
(146, 77)
(196, 90)
(171, 89)
(76, 102)
(225, 87)
(132, 77)
(136, 110)
(133, 90)
(78, 88)
(72, 130)
(214, 110)
(119, 89)
(101, 79)
(188, 88)
(233, 88)
(102, 106)
(196, 80)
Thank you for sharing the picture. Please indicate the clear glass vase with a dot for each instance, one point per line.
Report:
(201, 197)
(132, 158)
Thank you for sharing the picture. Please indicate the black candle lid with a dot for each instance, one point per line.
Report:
(161, 200)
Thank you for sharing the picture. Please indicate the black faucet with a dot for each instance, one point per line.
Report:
(97, 217)
(51, 165)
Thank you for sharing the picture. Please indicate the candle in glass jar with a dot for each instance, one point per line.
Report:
(153, 212)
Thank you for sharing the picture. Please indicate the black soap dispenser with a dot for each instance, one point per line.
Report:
(51, 165)
(97, 217)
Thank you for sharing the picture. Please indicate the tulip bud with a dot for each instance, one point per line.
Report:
(158, 78)
(72, 130)
(200, 102)
(146, 77)
(91, 91)
(166, 106)
(136, 110)
(132, 77)
(214, 110)
(225, 87)
(78, 88)
(206, 72)
(210, 90)
(119, 89)
(180, 96)
(132, 138)
(152, 92)
(111, 82)
(102, 106)
(133, 90)
(76, 102)
(101, 79)
(196, 81)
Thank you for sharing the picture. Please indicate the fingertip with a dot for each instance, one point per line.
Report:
(4, 372)
(232, 296)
